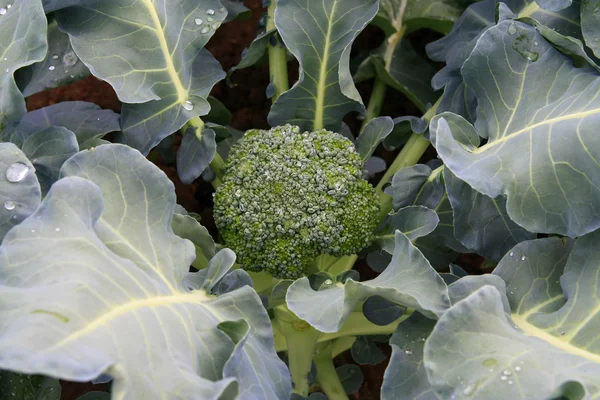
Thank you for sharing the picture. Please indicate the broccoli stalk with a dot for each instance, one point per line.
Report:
(289, 196)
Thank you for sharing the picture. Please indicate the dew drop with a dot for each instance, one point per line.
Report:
(469, 390)
(52, 68)
(5, 58)
(503, 378)
(222, 9)
(562, 333)
(507, 372)
(210, 19)
(198, 21)
(216, 25)
(33, 231)
(56, 229)
(517, 368)
(512, 29)
(10, 205)
(188, 105)
(8, 5)
(205, 30)
(512, 253)
(72, 76)
(510, 382)
(408, 352)
(535, 43)
(210, 11)
(69, 59)
(55, 57)
(523, 258)
(2, 11)
(328, 282)
(16, 172)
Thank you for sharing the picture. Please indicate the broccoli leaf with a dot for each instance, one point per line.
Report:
(115, 301)
(590, 25)
(195, 153)
(550, 187)
(320, 34)
(61, 65)
(409, 280)
(20, 192)
(23, 33)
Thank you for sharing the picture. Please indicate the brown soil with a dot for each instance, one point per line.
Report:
(249, 107)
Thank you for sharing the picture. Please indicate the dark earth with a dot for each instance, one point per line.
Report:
(249, 106)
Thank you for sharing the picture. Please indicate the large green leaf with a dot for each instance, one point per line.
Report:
(105, 293)
(319, 33)
(456, 47)
(144, 48)
(20, 192)
(547, 349)
(590, 24)
(22, 42)
(60, 66)
(409, 280)
(145, 125)
(539, 114)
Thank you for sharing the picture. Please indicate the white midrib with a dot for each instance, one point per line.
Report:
(182, 93)
(195, 297)
(534, 331)
(551, 121)
(320, 99)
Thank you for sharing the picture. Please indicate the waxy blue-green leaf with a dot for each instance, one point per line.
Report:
(47, 150)
(195, 153)
(554, 5)
(86, 120)
(405, 377)
(372, 134)
(116, 300)
(147, 48)
(481, 223)
(366, 352)
(456, 47)
(539, 115)
(409, 280)
(22, 42)
(381, 311)
(413, 221)
(549, 344)
(15, 386)
(61, 65)
(187, 227)
(320, 33)
(145, 125)
(590, 24)
(20, 192)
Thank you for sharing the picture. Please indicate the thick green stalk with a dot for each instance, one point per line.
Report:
(327, 377)
(301, 339)
(409, 155)
(277, 57)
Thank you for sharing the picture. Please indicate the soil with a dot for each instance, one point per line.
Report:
(249, 107)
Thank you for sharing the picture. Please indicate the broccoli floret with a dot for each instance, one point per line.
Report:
(288, 197)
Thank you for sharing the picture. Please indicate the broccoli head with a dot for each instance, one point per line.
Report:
(289, 196)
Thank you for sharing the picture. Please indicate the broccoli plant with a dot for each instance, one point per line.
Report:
(338, 231)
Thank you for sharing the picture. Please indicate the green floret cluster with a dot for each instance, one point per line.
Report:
(289, 196)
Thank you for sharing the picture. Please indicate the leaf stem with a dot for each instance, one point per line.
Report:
(409, 155)
(380, 87)
(356, 325)
(327, 377)
(277, 57)
(300, 339)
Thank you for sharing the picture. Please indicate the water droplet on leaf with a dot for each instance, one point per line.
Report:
(517, 368)
(503, 378)
(512, 253)
(523, 258)
(222, 9)
(512, 29)
(210, 19)
(507, 372)
(10, 205)
(210, 11)
(16, 172)
(55, 57)
(469, 390)
(51, 68)
(70, 59)
(205, 30)
(188, 105)
(2, 11)
(198, 21)
(408, 352)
